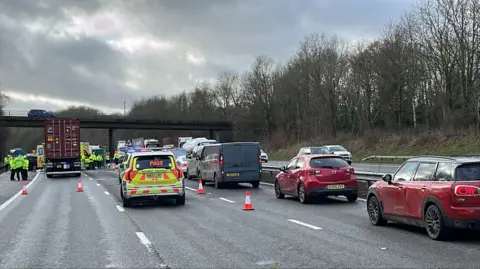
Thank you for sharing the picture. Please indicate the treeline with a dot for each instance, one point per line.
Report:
(422, 74)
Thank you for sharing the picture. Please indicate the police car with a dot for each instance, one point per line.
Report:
(150, 175)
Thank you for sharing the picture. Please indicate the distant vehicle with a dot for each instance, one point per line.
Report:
(190, 144)
(32, 162)
(237, 162)
(264, 156)
(62, 147)
(151, 175)
(183, 139)
(192, 162)
(316, 175)
(339, 150)
(182, 163)
(178, 152)
(151, 143)
(39, 113)
(435, 193)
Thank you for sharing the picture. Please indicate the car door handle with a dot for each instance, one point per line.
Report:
(424, 188)
(401, 187)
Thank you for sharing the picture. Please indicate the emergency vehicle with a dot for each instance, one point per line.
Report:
(148, 175)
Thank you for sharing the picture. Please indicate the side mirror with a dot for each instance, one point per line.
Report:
(189, 156)
(283, 169)
(387, 178)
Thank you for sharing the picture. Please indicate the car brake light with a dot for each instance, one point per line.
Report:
(260, 159)
(177, 173)
(465, 190)
(221, 160)
(184, 165)
(314, 172)
(130, 174)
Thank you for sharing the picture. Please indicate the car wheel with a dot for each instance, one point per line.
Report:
(434, 223)
(278, 191)
(352, 198)
(256, 184)
(180, 200)
(302, 195)
(188, 175)
(374, 212)
(126, 202)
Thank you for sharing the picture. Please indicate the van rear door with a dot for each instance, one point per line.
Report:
(241, 161)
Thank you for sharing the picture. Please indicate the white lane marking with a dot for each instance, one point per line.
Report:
(91, 178)
(361, 199)
(98, 184)
(305, 224)
(121, 209)
(226, 200)
(268, 184)
(383, 248)
(107, 193)
(192, 189)
(9, 201)
(144, 240)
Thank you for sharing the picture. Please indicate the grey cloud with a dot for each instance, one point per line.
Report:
(229, 33)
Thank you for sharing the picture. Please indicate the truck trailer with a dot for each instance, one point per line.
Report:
(62, 147)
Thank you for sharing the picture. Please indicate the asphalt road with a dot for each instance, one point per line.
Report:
(212, 231)
(56, 227)
(365, 167)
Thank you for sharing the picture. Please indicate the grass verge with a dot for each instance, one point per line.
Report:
(407, 143)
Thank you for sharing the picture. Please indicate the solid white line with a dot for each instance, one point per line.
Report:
(305, 224)
(106, 192)
(121, 209)
(9, 201)
(98, 184)
(144, 240)
(192, 189)
(226, 200)
(268, 184)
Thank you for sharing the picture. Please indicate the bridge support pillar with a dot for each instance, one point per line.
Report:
(111, 148)
(215, 135)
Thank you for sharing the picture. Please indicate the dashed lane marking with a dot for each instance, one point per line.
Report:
(98, 184)
(144, 240)
(191, 189)
(106, 192)
(226, 200)
(121, 209)
(305, 224)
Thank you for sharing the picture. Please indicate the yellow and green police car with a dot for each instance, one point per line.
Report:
(150, 175)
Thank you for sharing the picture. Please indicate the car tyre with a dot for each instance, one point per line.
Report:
(435, 224)
(49, 176)
(302, 194)
(256, 184)
(180, 200)
(216, 183)
(278, 191)
(352, 198)
(375, 212)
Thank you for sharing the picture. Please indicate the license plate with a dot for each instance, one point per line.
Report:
(233, 174)
(336, 187)
(155, 175)
(59, 166)
(66, 166)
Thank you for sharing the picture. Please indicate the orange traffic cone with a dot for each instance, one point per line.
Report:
(24, 189)
(79, 188)
(248, 202)
(200, 187)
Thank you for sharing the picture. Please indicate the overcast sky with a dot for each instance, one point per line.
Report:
(56, 53)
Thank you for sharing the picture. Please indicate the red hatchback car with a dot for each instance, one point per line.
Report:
(316, 175)
(437, 193)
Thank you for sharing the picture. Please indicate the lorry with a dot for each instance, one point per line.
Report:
(171, 140)
(151, 143)
(62, 147)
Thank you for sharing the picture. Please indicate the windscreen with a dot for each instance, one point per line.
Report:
(318, 150)
(121, 149)
(468, 172)
(151, 162)
(240, 155)
(178, 152)
(328, 163)
(337, 148)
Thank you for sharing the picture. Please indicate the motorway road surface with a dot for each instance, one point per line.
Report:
(55, 226)
(365, 167)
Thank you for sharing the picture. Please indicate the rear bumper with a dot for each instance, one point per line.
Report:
(326, 192)
(473, 224)
(152, 192)
(225, 179)
(63, 172)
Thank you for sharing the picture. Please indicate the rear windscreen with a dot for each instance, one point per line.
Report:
(468, 172)
(240, 155)
(328, 163)
(178, 152)
(150, 162)
(318, 150)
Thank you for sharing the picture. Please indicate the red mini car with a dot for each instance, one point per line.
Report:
(437, 193)
(316, 175)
